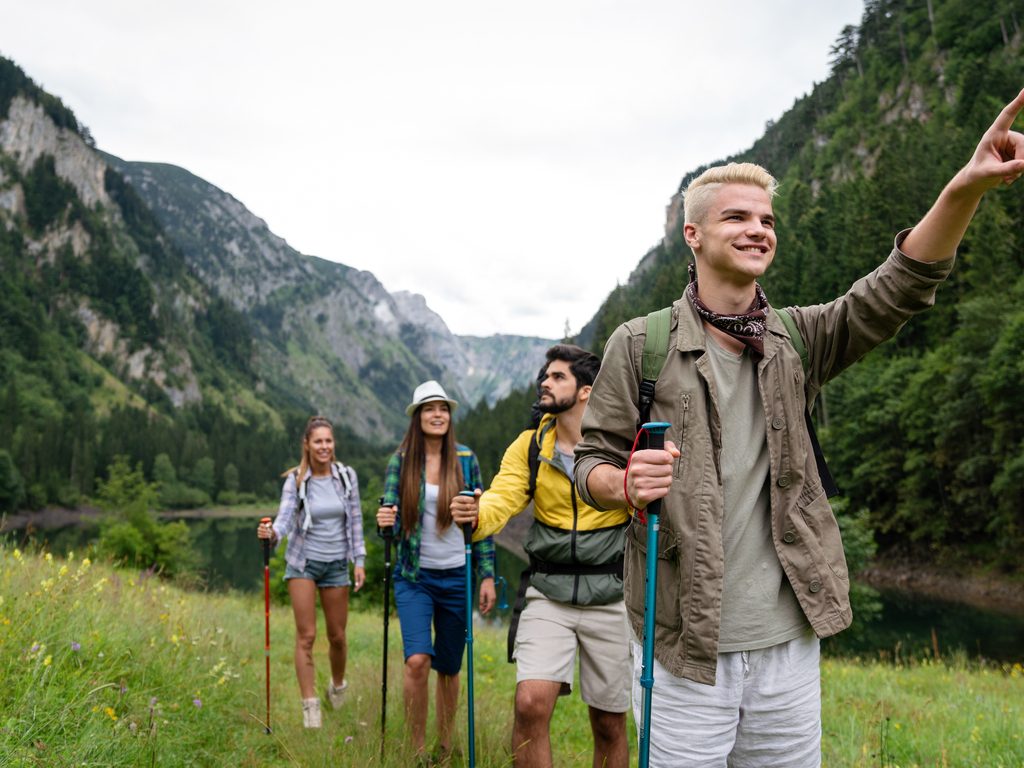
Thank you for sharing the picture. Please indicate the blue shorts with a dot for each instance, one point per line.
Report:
(330, 574)
(439, 595)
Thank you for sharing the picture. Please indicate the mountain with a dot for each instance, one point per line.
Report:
(360, 349)
(149, 314)
(926, 435)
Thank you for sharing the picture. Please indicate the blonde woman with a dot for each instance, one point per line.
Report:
(322, 520)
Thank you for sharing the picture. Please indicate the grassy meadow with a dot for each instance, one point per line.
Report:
(107, 667)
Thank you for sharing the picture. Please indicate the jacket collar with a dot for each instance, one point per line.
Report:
(687, 330)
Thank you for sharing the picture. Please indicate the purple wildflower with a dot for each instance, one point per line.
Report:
(198, 703)
(76, 646)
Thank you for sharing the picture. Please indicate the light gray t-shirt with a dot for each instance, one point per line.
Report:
(759, 608)
(325, 539)
(568, 460)
(445, 549)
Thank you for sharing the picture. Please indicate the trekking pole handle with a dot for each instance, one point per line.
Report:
(266, 543)
(467, 528)
(388, 532)
(655, 441)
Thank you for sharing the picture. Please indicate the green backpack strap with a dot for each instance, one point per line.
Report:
(794, 337)
(653, 357)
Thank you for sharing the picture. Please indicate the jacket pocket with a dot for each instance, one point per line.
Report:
(677, 433)
(824, 530)
(667, 611)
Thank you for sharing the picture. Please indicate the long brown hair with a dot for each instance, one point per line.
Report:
(414, 459)
(315, 422)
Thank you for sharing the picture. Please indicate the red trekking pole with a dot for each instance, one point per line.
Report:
(266, 613)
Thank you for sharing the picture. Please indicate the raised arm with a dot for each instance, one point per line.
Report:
(998, 159)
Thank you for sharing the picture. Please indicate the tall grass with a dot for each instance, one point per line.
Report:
(111, 668)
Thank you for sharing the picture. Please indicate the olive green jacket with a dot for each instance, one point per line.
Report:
(804, 529)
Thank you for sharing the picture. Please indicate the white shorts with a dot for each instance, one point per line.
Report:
(549, 634)
(764, 710)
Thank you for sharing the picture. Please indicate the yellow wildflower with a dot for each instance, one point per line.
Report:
(110, 713)
(48, 557)
(62, 572)
(47, 661)
(17, 554)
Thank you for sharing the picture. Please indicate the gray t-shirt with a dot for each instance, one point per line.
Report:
(759, 608)
(567, 459)
(325, 539)
(439, 549)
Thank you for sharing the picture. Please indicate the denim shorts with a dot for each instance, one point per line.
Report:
(329, 574)
(438, 597)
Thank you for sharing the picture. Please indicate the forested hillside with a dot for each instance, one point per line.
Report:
(108, 345)
(149, 315)
(927, 433)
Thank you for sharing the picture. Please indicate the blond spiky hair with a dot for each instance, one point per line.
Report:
(698, 194)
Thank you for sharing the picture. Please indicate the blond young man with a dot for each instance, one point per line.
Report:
(751, 570)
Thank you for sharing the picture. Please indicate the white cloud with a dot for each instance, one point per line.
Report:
(511, 162)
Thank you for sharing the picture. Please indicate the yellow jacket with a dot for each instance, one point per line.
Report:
(574, 548)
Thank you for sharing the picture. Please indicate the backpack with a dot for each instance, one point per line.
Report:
(655, 353)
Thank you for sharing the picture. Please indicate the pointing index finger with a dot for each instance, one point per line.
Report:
(1009, 113)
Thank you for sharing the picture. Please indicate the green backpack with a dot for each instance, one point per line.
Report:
(655, 353)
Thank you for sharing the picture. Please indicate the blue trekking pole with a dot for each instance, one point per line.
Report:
(467, 535)
(655, 440)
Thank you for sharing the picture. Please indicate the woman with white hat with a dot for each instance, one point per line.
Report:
(423, 476)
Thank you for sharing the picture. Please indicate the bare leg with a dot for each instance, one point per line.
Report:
(611, 747)
(303, 596)
(335, 603)
(531, 732)
(447, 704)
(414, 689)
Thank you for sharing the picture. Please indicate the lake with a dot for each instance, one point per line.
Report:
(230, 557)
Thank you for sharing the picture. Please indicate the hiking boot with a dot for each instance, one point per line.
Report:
(311, 717)
(336, 693)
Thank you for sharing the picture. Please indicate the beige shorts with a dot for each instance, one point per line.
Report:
(549, 634)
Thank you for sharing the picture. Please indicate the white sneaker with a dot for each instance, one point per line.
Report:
(311, 713)
(336, 693)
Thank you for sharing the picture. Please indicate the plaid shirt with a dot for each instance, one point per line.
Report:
(291, 521)
(409, 548)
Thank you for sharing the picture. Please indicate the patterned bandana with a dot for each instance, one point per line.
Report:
(747, 328)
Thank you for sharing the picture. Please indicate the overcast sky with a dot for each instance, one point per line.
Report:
(509, 161)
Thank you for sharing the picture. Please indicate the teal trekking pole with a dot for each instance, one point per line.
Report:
(655, 440)
(467, 536)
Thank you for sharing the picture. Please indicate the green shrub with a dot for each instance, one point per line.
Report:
(131, 532)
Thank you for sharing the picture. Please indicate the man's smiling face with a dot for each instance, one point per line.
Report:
(736, 240)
